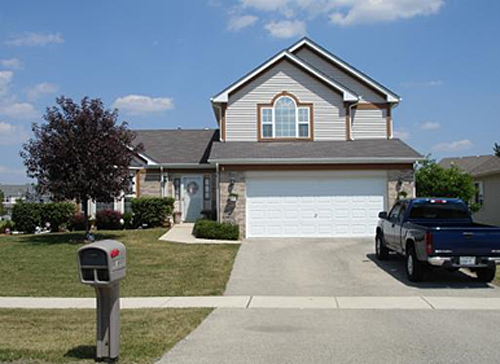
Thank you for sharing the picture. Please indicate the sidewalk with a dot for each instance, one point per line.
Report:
(181, 233)
(265, 302)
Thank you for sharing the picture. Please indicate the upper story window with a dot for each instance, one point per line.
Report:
(285, 118)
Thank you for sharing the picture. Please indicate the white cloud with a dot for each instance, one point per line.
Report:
(13, 63)
(286, 28)
(18, 110)
(453, 146)
(265, 5)
(402, 134)
(12, 134)
(5, 79)
(239, 22)
(40, 90)
(423, 84)
(350, 12)
(32, 39)
(430, 125)
(140, 104)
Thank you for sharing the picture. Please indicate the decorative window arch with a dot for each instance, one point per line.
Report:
(285, 118)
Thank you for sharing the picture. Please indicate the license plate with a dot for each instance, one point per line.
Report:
(467, 260)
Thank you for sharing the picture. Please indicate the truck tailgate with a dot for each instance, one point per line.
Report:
(467, 241)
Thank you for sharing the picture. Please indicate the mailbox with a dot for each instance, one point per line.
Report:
(102, 264)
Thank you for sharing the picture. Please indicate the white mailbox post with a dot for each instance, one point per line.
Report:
(102, 264)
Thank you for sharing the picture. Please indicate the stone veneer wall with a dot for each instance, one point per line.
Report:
(234, 212)
(400, 181)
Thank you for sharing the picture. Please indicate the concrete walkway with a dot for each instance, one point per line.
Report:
(181, 233)
(266, 302)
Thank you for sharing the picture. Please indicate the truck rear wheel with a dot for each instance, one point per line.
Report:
(381, 251)
(414, 268)
(486, 274)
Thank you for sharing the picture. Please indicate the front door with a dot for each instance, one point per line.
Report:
(193, 198)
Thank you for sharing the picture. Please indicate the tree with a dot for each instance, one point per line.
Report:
(496, 149)
(81, 153)
(2, 199)
(432, 180)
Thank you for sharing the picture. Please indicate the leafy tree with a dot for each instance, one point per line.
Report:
(80, 153)
(496, 149)
(432, 180)
(2, 198)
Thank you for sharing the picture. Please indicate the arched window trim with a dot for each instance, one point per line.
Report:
(267, 119)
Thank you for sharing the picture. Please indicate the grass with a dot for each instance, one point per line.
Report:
(62, 336)
(46, 265)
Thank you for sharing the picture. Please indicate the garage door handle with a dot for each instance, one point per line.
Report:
(315, 215)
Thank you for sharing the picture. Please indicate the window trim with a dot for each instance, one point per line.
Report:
(299, 105)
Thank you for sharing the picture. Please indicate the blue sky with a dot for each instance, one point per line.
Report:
(161, 61)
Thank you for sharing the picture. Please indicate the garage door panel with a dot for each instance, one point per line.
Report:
(313, 207)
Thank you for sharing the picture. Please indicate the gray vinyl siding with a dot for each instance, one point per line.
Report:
(369, 124)
(340, 76)
(490, 212)
(329, 110)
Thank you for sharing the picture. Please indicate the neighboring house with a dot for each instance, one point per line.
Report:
(485, 170)
(305, 149)
(14, 193)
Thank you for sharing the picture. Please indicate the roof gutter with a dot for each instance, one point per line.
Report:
(178, 166)
(251, 161)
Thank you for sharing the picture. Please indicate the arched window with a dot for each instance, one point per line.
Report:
(285, 118)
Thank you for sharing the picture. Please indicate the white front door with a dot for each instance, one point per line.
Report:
(314, 204)
(192, 197)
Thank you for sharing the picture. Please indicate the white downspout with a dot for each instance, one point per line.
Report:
(351, 116)
(217, 191)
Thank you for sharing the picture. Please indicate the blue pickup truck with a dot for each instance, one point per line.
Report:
(438, 232)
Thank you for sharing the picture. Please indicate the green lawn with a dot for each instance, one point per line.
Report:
(61, 336)
(46, 265)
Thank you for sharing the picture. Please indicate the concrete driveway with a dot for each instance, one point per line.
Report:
(340, 267)
(336, 267)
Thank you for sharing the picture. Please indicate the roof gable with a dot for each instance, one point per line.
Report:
(223, 96)
(306, 42)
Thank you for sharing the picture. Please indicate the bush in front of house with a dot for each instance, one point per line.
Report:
(28, 215)
(152, 211)
(6, 225)
(77, 222)
(128, 220)
(108, 220)
(57, 214)
(208, 229)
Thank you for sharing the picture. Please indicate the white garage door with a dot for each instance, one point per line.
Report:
(314, 204)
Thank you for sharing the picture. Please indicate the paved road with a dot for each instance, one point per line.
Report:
(267, 336)
(336, 267)
(347, 268)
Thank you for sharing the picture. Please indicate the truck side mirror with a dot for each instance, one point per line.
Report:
(382, 215)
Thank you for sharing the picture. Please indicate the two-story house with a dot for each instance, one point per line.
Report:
(304, 148)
